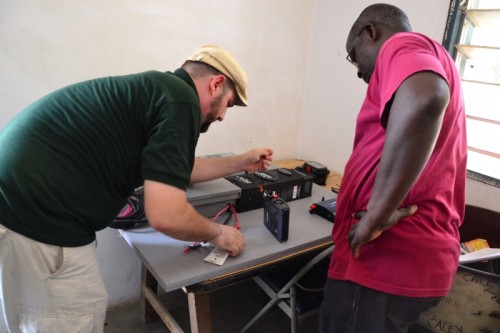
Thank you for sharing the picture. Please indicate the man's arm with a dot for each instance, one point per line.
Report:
(168, 211)
(413, 126)
(211, 168)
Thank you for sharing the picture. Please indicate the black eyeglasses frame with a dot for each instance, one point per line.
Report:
(348, 57)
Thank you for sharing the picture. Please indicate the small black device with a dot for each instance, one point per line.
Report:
(317, 170)
(285, 171)
(276, 216)
(242, 180)
(270, 177)
(325, 209)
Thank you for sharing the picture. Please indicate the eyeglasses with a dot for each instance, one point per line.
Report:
(348, 57)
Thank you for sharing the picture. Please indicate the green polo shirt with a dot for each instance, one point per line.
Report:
(69, 161)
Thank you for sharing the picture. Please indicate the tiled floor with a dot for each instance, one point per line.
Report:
(232, 308)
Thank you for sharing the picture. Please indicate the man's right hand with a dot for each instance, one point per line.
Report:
(229, 239)
(168, 211)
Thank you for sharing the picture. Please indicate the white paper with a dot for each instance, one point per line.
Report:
(480, 255)
(217, 257)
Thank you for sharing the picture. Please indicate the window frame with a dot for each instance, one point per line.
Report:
(452, 34)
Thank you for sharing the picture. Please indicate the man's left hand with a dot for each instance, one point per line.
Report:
(256, 159)
(364, 231)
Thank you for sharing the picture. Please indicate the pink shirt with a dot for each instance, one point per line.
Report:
(418, 257)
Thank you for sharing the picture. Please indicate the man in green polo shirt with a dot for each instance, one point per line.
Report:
(69, 161)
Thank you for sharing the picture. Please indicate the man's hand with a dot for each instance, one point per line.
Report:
(229, 239)
(169, 212)
(212, 168)
(256, 159)
(364, 231)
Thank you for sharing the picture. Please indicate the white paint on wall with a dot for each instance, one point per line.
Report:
(49, 44)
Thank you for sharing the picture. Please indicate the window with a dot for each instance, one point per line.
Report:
(473, 39)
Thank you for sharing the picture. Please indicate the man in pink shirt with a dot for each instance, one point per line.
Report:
(402, 197)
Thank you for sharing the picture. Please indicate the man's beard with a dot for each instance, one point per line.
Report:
(212, 115)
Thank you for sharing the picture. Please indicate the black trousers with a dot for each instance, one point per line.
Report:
(351, 308)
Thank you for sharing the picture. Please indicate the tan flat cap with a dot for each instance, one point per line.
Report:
(224, 62)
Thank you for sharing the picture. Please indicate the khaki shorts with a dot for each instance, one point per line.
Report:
(47, 288)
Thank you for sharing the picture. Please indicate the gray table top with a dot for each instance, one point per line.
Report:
(164, 258)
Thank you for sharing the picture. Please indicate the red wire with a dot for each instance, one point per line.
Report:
(233, 209)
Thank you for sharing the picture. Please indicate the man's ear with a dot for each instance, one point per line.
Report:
(217, 82)
(373, 31)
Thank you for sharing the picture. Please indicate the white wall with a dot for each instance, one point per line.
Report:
(304, 96)
(48, 44)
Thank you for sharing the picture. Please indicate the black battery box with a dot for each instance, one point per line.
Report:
(286, 183)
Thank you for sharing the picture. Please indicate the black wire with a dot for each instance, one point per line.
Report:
(135, 217)
(228, 218)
